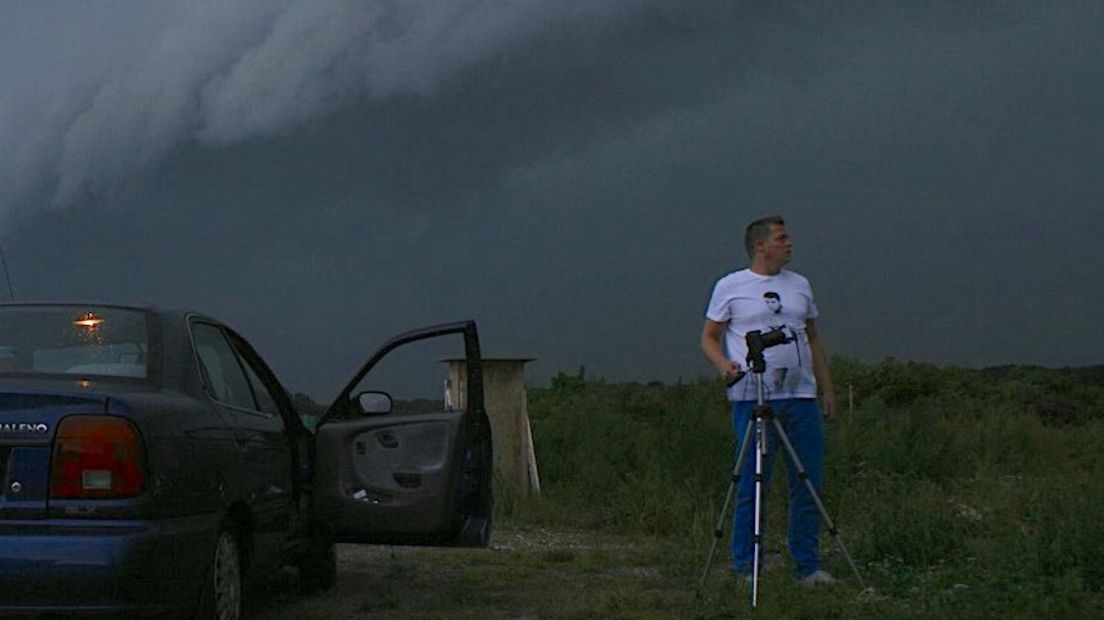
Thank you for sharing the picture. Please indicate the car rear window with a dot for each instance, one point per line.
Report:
(74, 340)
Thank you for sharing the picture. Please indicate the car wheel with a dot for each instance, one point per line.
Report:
(221, 598)
(318, 568)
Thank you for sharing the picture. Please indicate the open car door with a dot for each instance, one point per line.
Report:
(422, 476)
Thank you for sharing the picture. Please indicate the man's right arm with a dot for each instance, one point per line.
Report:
(711, 335)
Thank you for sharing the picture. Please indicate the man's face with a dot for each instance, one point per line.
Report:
(778, 246)
(773, 304)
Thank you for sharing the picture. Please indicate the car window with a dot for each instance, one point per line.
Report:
(226, 379)
(74, 340)
(416, 375)
(265, 401)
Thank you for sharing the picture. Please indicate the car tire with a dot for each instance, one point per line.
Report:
(318, 568)
(221, 597)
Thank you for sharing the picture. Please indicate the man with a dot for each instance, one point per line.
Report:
(758, 298)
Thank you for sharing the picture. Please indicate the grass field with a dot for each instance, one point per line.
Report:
(960, 494)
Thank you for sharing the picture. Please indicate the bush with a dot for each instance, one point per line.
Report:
(941, 477)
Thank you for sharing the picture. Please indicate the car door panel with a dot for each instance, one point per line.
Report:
(399, 465)
(261, 437)
(418, 478)
(266, 459)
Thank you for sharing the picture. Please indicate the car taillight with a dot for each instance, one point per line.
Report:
(95, 457)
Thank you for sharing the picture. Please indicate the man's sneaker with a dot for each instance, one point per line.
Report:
(817, 578)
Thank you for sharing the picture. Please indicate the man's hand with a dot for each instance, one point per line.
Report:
(822, 372)
(731, 371)
(828, 404)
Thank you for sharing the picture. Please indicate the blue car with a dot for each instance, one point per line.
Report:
(151, 463)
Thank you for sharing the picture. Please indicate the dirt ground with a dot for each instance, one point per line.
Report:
(525, 575)
(535, 573)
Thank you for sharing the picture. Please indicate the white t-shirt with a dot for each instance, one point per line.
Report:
(747, 301)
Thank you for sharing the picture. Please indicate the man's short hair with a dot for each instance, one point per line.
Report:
(759, 230)
(771, 295)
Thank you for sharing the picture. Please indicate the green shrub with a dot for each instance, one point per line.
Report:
(968, 493)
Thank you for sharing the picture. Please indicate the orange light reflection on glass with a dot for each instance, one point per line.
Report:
(88, 320)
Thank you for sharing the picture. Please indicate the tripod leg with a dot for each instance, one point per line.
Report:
(757, 540)
(718, 531)
(804, 476)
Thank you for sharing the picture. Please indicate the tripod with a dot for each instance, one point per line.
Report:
(757, 424)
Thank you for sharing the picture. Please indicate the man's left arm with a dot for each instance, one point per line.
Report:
(821, 371)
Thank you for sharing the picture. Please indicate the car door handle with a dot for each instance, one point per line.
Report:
(408, 480)
(388, 440)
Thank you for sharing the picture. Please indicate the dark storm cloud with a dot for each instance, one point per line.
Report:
(97, 93)
(578, 189)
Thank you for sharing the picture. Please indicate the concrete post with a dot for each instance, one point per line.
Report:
(505, 400)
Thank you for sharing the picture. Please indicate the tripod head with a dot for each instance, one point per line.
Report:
(758, 341)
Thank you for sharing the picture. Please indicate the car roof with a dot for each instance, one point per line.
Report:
(140, 307)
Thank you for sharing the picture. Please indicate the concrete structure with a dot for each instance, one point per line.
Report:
(505, 400)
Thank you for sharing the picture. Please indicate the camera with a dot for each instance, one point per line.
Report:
(758, 341)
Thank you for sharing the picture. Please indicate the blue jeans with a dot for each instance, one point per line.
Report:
(800, 418)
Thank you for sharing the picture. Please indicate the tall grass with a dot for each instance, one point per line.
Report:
(943, 481)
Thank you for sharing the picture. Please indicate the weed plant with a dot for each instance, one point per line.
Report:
(960, 493)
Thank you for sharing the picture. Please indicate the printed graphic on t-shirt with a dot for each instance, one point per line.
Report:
(773, 301)
(745, 302)
(774, 304)
(777, 380)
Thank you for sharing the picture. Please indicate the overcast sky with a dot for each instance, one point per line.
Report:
(574, 175)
